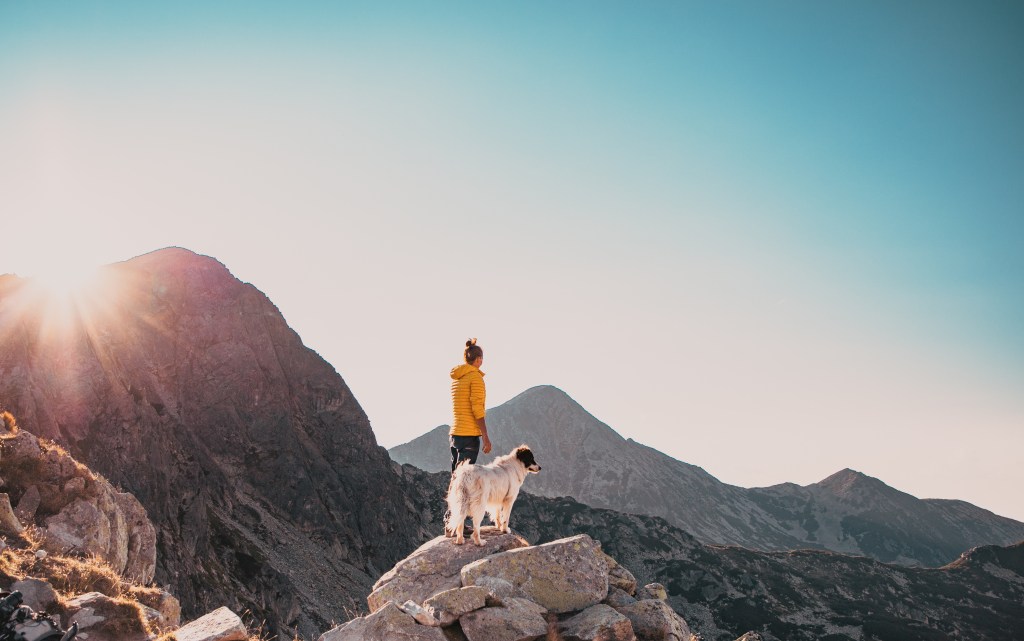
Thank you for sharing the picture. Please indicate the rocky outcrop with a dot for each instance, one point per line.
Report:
(562, 576)
(185, 387)
(220, 625)
(509, 592)
(849, 512)
(103, 618)
(75, 510)
(433, 569)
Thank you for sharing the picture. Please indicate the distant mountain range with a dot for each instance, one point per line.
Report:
(848, 512)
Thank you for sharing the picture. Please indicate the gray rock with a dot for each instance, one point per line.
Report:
(654, 620)
(75, 486)
(618, 598)
(619, 576)
(597, 623)
(220, 625)
(652, 591)
(435, 567)
(36, 593)
(750, 636)
(101, 618)
(499, 588)
(164, 603)
(140, 552)
(79, 527)
(517, 620)
(29, 503)
(388, 623)
(9, 523)
(562, 576)
(427, 616)
(449, 605)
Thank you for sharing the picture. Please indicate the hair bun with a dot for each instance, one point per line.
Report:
(471, 342)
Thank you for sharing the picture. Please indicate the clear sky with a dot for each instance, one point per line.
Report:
(773, 239)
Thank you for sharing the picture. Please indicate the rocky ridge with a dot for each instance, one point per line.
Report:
(848, 512)
(507, 590)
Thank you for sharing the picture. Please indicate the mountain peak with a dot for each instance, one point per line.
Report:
(175, 258)
(548, 393)
(847, 482)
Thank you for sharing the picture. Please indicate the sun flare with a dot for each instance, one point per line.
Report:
(65, 282)
(70, 295)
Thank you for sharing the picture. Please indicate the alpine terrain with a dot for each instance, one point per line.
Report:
(268, 493)
(847, 512)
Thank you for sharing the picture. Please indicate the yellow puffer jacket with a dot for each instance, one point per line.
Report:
(468, 399)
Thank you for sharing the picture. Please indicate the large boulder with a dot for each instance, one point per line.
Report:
(435, 567)
(220, 625)
(654, 620)
(516, 620)
(102, 618)
(36, 594)
(562, 576)
(445, 608)
(597, 623)
(389, 623)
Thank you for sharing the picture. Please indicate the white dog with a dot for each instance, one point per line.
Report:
(491, 488)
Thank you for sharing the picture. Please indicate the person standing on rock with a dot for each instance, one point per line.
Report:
(469, 396)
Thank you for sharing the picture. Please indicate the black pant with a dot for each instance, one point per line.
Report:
(464, 448)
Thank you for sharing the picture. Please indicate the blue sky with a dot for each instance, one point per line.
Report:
(771, 239)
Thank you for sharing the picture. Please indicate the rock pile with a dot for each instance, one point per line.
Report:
(49, 499)
(508, 590)
(74, 510)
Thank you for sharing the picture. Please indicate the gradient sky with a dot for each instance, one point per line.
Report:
(773, 239)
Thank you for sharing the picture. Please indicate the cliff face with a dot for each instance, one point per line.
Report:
(187, 388)
(848, 512)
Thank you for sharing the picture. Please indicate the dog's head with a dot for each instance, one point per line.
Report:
(525, 456)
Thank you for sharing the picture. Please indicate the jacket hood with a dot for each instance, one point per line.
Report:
(461, 370)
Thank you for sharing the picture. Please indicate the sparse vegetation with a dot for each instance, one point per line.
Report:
(71, 576)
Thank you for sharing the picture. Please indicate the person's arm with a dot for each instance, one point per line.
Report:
(478, 400)
(482, 424)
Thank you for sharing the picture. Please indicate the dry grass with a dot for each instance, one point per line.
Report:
(68, 575)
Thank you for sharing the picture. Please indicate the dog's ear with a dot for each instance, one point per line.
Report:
(525, 456)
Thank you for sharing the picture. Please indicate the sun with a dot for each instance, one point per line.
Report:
(65, 281)
(67, 294)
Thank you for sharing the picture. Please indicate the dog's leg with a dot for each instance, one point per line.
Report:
(507, 508)
(478, 521)
(506, 511)
(459, 538)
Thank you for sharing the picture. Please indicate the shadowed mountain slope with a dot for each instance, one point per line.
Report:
(848, 512)
(186, 387)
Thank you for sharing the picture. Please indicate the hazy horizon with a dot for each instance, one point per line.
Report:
(773, 240)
